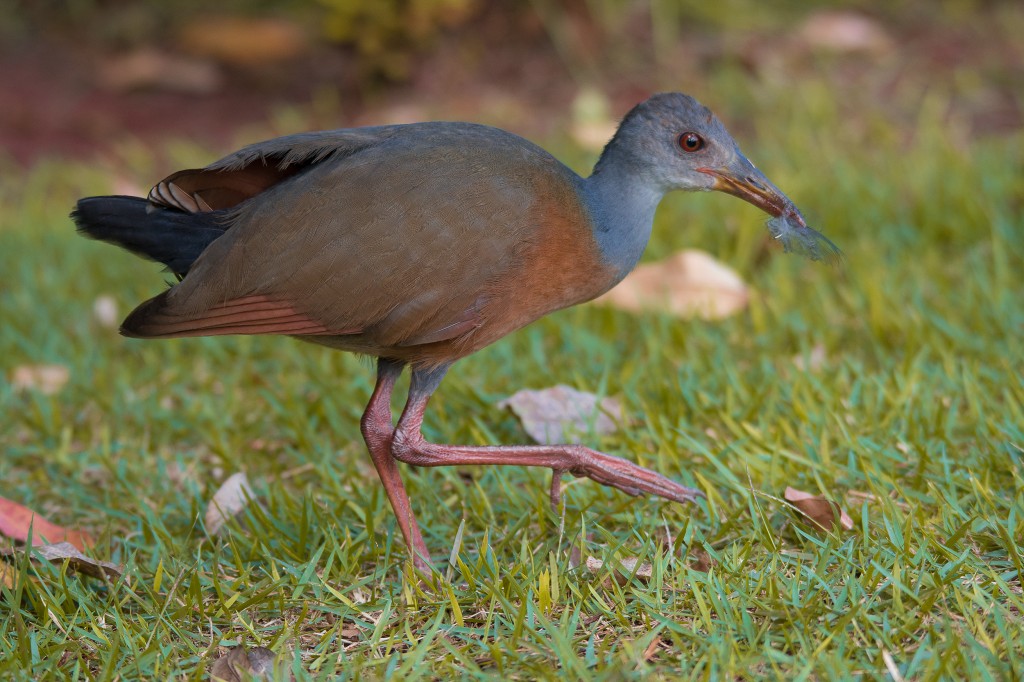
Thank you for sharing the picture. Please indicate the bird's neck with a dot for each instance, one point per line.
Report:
(622, 203)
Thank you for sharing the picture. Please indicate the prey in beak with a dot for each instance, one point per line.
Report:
(742, 179)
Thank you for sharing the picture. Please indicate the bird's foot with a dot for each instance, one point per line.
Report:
(629, 477)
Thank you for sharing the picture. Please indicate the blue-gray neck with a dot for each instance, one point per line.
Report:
(622, 201)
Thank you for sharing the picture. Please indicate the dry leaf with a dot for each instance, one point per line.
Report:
(77, 561)
(244, 41)
(242, 664)
(624, 568)
(104, 309)
(575, 557)
(7, 574)
(151, 68)
(15, 521)
(840, 31)
(47, 379)
(652, 648)
(814, 361)
(688, 284)
(232, 497)
(561, 414)
(825, 514)
(702, 561)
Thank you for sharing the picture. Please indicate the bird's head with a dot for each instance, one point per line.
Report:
(677, 143)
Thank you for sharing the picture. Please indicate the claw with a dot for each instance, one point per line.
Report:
(556, 489)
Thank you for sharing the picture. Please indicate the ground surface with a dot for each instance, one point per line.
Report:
(893, 385)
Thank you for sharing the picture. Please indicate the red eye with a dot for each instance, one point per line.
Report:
(691, 142)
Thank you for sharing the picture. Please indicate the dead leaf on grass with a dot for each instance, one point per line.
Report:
(822, 512)
(16, 520)
(47, 379)
(245, 664)
(624, 569)
(78, 562)
(231, 498)
(844, 32)
(700, 560)
(562, 414)
(152, 68)
(104, 310)
(652, 648)
(244, 41)
(814, 360)
(7, 573)
(688, 284)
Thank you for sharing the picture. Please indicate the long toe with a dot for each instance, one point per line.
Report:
(634, 479)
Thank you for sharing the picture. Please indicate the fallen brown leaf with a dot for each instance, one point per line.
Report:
(575, 557)
(562, 414)
(652, 648)
(822, 512)
(701, 560)
(244, 41)
(232, 497)
(688, 284)
(623, 569)
(15, 521)
(7, 573)
(65, 551)
(245, 664)
(152, 68)
(47, 379)
(843, 31)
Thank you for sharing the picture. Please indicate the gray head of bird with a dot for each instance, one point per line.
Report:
(676, 143)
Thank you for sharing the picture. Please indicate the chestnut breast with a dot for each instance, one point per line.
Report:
(559, 266)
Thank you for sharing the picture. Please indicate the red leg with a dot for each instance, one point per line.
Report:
(408, 445)
(377, 432)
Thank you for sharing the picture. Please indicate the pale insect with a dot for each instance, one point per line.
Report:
(790, 229)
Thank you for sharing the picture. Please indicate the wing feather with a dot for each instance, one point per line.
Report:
(396, 235)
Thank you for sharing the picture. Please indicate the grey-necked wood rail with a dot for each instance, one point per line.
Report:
(421, 244)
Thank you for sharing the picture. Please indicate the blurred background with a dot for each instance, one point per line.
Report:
(81, 76)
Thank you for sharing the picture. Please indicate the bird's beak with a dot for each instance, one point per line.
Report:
(743, 180)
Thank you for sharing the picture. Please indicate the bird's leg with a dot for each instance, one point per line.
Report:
(377, 432)
(408, 445)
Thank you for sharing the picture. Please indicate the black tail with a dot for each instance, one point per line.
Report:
(168, 236)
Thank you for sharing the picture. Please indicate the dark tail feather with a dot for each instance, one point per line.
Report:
(165, 235)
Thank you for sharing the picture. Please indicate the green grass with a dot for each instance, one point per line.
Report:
(914, 422)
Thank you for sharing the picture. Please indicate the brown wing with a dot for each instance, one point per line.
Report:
(225, 184)
(395, 244)
(210, 190)
(249, 171)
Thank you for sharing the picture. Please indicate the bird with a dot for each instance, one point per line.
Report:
(418, 245)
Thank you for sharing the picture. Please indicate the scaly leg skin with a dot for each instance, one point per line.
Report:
(556, 489)
(408, 445)
(377, 432)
